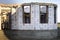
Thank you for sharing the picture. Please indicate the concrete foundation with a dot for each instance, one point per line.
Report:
(40, 34)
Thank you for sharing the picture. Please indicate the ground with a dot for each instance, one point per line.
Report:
(3, 36)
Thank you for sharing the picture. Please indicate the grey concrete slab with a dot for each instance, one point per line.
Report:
(31, 35)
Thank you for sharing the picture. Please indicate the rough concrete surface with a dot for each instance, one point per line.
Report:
(30, 35)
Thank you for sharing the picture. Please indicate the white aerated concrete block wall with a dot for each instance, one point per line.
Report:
(35, 19)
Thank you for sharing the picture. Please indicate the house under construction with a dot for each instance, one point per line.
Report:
(35, 16)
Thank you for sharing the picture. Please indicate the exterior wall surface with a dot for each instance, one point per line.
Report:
(17, 22)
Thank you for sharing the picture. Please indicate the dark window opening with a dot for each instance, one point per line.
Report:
(43, 14)
(26, 18)
(26, 14)
(54, 14)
